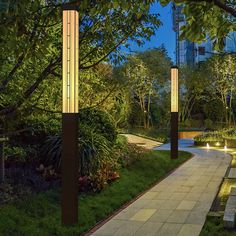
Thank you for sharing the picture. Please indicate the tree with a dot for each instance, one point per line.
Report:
(147, 74)
(30, 47)
(141, 85)
(193, 83)
(222, 83)
(212, 19)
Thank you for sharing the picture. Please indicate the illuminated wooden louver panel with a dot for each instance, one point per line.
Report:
(70, 59)
(174, 89)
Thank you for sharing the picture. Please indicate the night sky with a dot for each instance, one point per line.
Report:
(164, 35)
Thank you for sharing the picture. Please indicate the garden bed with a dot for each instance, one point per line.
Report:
(220, 138)
(40, 214)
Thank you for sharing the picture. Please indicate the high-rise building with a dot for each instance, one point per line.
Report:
(189, 53)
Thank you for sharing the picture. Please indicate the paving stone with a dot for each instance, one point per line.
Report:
(154, 204)
(186, 205)
(149, 195)
(190, 229)
(126, 214)
(160, 216)
(169, 205)
(149, 229)
(169, 229)
(178, 196)
(129, 228)
(111, 228)
(183, 189)
(178, 216)
(143, 214)
(196, 217)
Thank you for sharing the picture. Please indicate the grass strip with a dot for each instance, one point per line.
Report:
(40, 214)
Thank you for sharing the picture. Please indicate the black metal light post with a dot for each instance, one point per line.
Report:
(174, 112)
(70, 68)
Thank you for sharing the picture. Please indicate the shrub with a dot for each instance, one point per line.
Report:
(15, 153)
(91, 146)
(208, 123)
(100, 122)
(214, 136)
(229, 133)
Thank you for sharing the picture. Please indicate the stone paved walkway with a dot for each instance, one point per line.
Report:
(178, 205)
(143, 142)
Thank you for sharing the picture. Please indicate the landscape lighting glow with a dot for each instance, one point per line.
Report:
(70, 68)
(174, 89)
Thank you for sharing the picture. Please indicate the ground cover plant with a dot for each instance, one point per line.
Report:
(40, 214)
(214, 227)
(216, 136)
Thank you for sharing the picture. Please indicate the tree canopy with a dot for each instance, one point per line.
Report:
(213, 19)
(30, 47)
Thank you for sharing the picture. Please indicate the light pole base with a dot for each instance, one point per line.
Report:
(69, 169)
(174, 135)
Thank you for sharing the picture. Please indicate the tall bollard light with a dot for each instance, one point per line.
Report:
(174, 112)
(70, 71)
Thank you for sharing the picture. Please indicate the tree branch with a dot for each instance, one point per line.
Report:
(219, 4)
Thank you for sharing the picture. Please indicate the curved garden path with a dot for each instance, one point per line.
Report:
(142, 142)
(177, 205)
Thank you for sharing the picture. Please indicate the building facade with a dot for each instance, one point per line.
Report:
(190, 53)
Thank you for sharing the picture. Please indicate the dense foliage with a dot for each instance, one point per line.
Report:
(207, 19)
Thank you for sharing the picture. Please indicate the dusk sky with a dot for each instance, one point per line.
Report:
(164, 35)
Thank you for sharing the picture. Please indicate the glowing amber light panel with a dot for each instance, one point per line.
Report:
(70, 57)
(174, 90)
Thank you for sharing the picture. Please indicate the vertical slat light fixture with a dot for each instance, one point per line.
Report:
(70, 70)
(174, 111)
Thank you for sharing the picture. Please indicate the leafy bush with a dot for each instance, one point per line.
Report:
(91, 146)
(51, 151)
(192, 123)
(214, 136)
(100, 122)
(229, 133)
(126, 153)
(217, 136)
(97, 165)
(15, 153)
(208, 124)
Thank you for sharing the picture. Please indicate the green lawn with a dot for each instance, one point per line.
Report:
(40, 214)
(214, 227)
